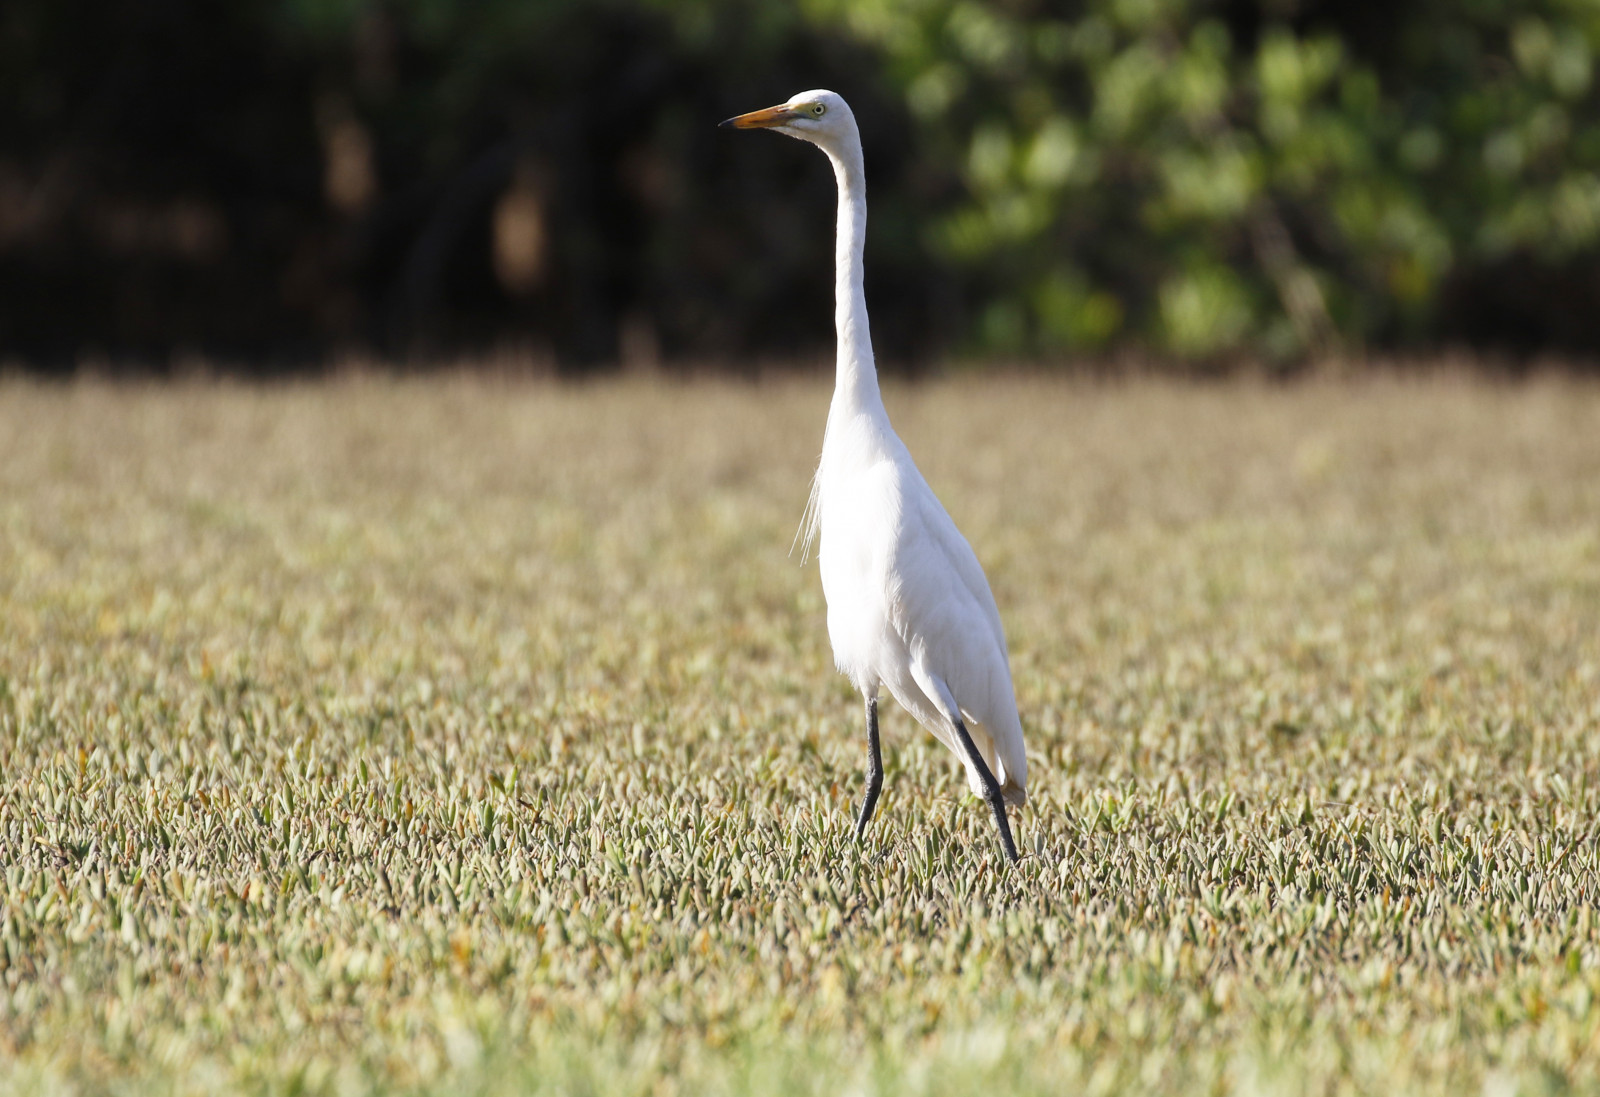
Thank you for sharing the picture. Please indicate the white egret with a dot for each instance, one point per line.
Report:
(909, 608)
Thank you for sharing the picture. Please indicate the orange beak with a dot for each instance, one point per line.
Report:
(761, 119)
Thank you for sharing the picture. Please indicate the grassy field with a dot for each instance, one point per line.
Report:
(478, 737)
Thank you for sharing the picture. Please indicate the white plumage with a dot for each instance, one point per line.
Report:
(909, 608)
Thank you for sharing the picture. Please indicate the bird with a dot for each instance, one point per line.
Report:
(909, 606)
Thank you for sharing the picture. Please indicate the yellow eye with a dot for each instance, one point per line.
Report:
(818, 109)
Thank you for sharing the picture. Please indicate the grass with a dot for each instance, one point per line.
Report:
(478, 737)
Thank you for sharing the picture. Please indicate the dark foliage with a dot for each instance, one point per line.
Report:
(277, 183)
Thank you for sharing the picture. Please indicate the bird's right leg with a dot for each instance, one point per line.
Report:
(990, 785)
(874, 769)
(939, 693)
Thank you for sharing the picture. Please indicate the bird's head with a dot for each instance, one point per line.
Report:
(821, 117)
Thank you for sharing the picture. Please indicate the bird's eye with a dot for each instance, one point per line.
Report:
(818, 109)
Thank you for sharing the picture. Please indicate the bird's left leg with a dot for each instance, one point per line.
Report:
(874, 769)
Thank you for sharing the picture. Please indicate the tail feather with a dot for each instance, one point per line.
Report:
(936, 694)
(1013, 794)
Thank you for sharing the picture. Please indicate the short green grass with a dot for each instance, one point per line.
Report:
(478, 736)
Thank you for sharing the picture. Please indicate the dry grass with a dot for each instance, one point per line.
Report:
(473, 736)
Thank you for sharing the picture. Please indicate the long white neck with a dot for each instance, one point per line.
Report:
(855, 389)
(856, 385)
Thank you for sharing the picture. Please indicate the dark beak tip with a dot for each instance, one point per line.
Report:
(726, 122)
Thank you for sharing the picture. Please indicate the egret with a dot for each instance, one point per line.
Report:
(909, 608)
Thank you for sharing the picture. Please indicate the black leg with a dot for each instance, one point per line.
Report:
(991, 789)
(874, 769)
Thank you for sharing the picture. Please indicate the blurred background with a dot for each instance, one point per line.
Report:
(281, 185)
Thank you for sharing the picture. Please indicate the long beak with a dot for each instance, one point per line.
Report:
(761, 119)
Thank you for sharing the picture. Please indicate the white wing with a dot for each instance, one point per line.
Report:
(946, 615)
